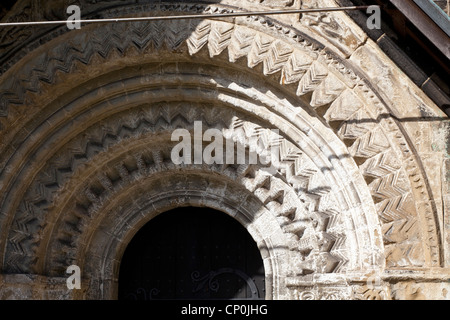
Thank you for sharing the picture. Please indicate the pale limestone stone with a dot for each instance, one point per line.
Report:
(361, 191)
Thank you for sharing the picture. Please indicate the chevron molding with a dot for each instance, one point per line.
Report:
(274, 193)
(306, 205)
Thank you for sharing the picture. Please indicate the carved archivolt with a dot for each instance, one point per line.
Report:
(85, 139)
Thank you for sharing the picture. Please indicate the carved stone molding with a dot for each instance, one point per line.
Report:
(329, 81)
(49, 187)
(349, 194)
(339, 287)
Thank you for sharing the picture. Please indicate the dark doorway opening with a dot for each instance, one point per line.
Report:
(192, 253)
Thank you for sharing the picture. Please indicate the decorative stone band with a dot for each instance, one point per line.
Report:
(37, 287)
(54, 181)
(405, 284)
(323, 84)
(369, 142)
(392, 284)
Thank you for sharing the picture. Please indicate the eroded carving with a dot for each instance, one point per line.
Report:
(349, 106)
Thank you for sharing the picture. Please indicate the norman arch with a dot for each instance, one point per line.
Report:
(192, 253)
(90, 163)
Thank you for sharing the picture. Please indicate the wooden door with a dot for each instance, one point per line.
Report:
(192, 253)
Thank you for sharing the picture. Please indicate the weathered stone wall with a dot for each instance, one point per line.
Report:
(358, 207)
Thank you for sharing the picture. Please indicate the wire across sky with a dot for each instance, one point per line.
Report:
(187, 16)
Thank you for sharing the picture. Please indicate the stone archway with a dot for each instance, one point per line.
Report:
(91, 164)
(192, 253)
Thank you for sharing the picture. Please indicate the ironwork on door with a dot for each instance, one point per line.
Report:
(192, 253)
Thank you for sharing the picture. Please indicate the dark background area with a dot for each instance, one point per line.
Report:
(5, 5)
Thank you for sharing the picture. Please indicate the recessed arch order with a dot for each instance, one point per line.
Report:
(88, 153)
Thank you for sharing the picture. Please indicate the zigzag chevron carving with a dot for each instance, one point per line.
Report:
(300, 65)
(382, 169)
(199, 37)
(279, 53)
(216, 36)
(219, 38)
(298, 219)
(240, 44)
(395, 206)
(312, 78)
